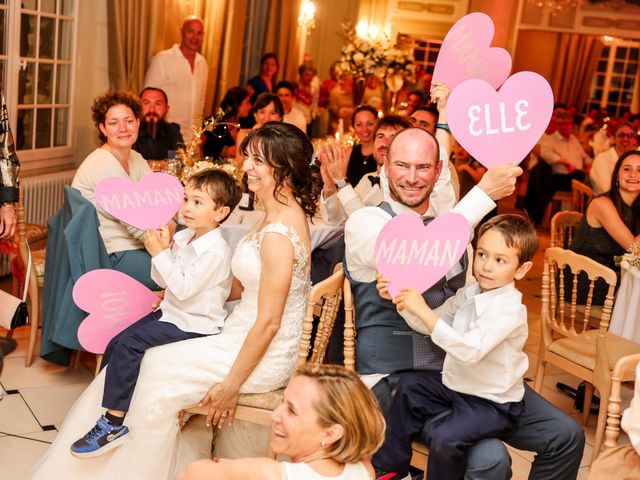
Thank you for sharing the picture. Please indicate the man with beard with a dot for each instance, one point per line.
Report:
(156, 137)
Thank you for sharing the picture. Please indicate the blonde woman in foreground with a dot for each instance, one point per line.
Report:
(329, 424)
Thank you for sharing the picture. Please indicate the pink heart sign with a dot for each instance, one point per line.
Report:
(114, 301)
(414, 256)
(466, 53)
(147, 204)
(501, 127)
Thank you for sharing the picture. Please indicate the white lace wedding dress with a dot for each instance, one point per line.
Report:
(178, 375)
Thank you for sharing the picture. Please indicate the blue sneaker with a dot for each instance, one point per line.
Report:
(100, 439)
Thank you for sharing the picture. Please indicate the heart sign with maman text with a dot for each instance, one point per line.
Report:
(466, 53)
(500, 127)
(149, 203)
(414, 256)
(114, 301)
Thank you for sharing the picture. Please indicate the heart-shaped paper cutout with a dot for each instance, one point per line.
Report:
(466, 53)
(500, 127)
(149, 203)
(114, 301)
(414, 256)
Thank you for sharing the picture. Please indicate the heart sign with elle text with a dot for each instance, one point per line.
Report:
(114, 301)
(501, 127)
(149, 203)
(466, 53)
(414, 256)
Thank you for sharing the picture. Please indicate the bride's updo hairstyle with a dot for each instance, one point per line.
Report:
(288, 151)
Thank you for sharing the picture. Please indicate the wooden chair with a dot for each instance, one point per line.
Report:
(589, 354)
(36, 278)
(324, 301)
(580, 196)
(420, 452)
(563, 226)
(623, 371)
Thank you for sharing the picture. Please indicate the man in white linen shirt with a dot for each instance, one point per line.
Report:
(412, 169)
(182, 73)
(625, 138)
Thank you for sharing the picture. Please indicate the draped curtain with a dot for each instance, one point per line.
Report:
(283, 36)
(575, 64)
(140, 29)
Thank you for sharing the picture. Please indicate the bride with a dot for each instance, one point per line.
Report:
(254, 353)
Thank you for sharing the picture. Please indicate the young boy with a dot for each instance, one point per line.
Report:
(196, 273)
(482, 329)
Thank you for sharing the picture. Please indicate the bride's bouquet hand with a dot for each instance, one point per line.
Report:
(222, 402)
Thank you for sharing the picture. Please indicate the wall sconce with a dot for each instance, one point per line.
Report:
(307, 16)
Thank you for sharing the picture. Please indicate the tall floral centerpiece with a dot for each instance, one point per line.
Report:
(374, 56)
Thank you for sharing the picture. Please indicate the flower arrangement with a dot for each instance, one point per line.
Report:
(362, 57)
(631, 259)
(190, 152)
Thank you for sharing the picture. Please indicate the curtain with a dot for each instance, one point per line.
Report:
(140, 29)
(575, 64)
(283, 36)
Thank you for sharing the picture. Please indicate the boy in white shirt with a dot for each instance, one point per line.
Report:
(195, 270)
(482, 329)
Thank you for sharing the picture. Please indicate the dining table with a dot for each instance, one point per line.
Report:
(625, 319)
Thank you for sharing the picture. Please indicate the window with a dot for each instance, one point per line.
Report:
(425, 53)
(614, 84)
(44, 74)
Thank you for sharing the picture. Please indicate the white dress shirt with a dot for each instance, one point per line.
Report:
(601, 171)
(197, 278)
(185, 89)
(100, 164)
(483, 334)
(555, 147)
(296, 117)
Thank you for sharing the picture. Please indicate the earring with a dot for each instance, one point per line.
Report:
(322, 443)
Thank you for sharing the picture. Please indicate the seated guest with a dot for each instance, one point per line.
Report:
(156, 136)
(10, 167)
(482, 329)
(329, 425)
(195, 272)
(293, 115)
(307, 93)
(625, 138)
(425, 118)
(339, 198)
(117, 117)
(386, 347)
(415, 100)
(624, 460)
(267, 108)
(611, 224)
(340, 104)
(361, 160)
(221, 142)
(264, 82)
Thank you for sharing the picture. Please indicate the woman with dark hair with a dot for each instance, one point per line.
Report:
(221, 142)
(329, 425)
(361, 160)
(254, 353)
(117, 117)
(611, 223)
(265, 81)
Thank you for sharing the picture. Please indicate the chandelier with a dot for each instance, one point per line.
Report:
(555, 7)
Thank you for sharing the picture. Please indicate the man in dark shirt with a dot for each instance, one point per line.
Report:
(156, 137)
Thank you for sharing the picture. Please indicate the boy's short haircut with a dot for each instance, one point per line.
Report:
(219, 185)
(518, 232)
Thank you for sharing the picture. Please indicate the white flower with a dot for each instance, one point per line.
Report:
(358, 58)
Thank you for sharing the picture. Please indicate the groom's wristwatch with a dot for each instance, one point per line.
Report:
(341, 183)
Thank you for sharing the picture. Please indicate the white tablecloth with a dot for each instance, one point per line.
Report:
(240, 221)
(625, 320)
